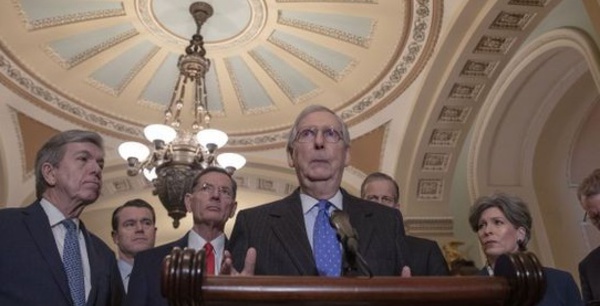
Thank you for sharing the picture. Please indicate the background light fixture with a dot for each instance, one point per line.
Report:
(178, 154)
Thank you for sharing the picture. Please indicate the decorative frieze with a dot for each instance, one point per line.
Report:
(430, 189)
(436, 162)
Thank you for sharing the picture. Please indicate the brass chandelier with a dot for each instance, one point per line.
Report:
(178, 154)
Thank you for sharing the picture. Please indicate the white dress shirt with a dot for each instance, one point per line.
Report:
(60, 231)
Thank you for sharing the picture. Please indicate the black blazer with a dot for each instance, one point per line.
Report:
(278, 233)
(425, 257)
(31, 270)
(589, 275)
(144, 283)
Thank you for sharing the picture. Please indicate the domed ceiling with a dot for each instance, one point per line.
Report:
(112, 65)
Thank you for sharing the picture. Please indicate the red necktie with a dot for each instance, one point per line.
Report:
(210, 258)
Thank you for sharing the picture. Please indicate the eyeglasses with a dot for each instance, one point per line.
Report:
(309, 134)
(382, 199)
(210, 189)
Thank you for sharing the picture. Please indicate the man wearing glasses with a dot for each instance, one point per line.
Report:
(292, 236)
(588, 195)
(211, 200)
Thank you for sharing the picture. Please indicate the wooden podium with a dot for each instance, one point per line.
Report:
(519, 281)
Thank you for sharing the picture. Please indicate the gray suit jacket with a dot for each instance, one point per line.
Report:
(278, 233)
(31, 270)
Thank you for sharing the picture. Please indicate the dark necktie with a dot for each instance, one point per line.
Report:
(210, 259)
(328, 256)
(73, 263)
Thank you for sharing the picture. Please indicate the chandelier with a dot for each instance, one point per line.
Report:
(178, 154)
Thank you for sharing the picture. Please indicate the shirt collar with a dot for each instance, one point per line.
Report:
(196, 241)
(124, 267)
(309, 202)
(55, 216)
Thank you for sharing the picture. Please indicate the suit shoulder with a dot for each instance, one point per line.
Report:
(420, 241)
(158, 252)
(10, 213)
(9, 217)
(262, 208)
(99, 243)
(593, 258)
(558, 275)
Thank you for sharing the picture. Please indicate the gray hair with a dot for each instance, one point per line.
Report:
(315, 108)
(514, 209)
(53, 151)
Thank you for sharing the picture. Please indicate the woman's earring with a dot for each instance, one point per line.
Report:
(521, 245)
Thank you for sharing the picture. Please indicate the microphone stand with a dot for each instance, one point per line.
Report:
(354, 259)
(353, 262)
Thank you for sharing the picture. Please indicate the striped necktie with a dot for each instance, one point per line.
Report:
(73, 263)
(210, 258)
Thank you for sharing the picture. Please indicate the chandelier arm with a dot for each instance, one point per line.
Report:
(179, 153)
(200, 107)
(169, 110)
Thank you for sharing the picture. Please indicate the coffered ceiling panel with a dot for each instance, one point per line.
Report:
(114, 62)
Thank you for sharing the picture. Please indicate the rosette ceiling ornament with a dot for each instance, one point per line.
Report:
(179, 154)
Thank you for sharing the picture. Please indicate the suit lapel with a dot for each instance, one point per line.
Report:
(287, 224)
(95, 264)
(38, 225)
(360, 219)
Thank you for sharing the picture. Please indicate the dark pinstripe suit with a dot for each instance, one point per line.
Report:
(31, 270)
(278, 233)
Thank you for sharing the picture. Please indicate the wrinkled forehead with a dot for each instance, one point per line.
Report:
(320, 119)
(216, 179)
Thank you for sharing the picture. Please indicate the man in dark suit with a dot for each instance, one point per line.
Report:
(588, 194)
(36, 267)
(285, 233)
(133, 231)
(211, 200)
(424, 256)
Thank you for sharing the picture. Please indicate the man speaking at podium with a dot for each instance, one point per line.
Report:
(293, 236)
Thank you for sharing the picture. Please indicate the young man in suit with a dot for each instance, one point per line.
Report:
(133, 231)
(47, 255)
(588, 194)
(424, 256)
(211, 200)
(286, 234)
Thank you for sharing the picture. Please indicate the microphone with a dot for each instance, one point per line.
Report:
(340, 220)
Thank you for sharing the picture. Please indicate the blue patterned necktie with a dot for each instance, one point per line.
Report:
(73, 263)
(328, 255)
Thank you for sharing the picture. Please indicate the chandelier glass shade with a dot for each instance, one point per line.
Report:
(177, 154)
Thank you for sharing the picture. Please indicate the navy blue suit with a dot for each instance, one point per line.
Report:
(589, 275)
(31, 270)
(425, 257)
(278, 233)
(144, 283)
(561, 289)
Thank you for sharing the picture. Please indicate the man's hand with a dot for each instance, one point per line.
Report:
(249, 264)
(406, 272)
